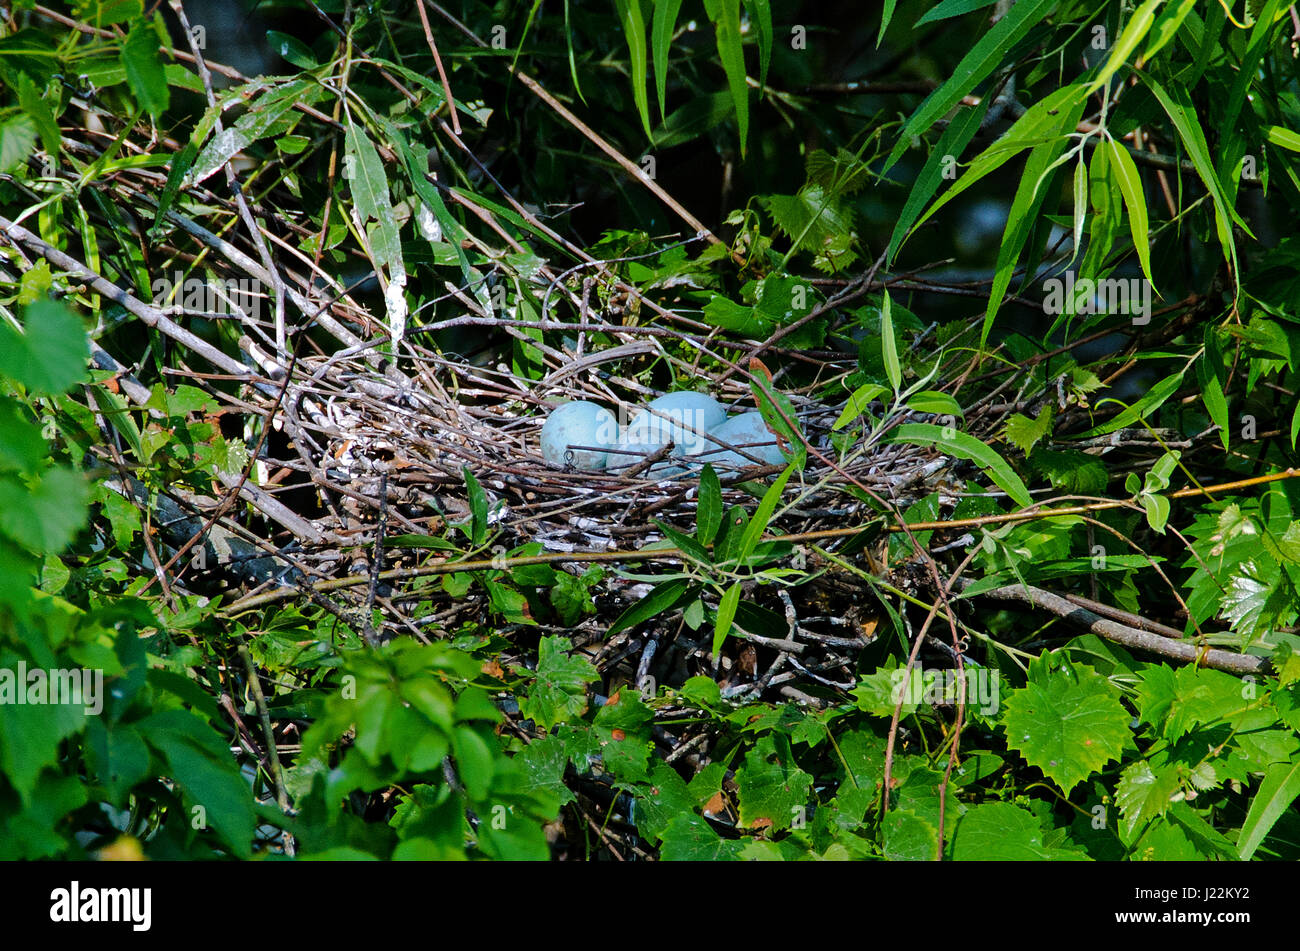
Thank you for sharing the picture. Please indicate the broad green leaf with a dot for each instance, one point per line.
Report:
(50, 354)
(17, 140)
(986, 55)
(477, 507)
(1066, 722)
(144, 70)
(770, 785)
(967, 447)
(559, 692)
(1003, 832)
(1130, 186)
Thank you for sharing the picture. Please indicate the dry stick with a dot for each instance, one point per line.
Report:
(254, 230)
(1202, 656)
(627, 165)
(263, 714)
(437, 61)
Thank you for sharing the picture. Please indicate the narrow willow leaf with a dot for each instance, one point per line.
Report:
(661, 35)
(889, 347)
(708, 512)
(990, 51)
(760, 16)
(1286, 138)
(1041, 123)
(885, 17)
(1277, 792)
(732, 54)
(629, 14)
(660, 599)
(1166, 27)
(1080, 204)
(369, 186)
(477, 499)
(1130, 186)
(857, 404)
(942, 162)
(1028, 200)
(967, 447)
(1148, 404)
(726, 615)
(778, 412)
(758, 524)
(1134, 33)
(1207, 372)
(953, 8)
(1179, 108)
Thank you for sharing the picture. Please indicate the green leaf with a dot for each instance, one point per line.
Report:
(689, 838)
(291, 49)
(661, 35)
(889, 346)
(50, 355)
(17, 141)
(1178, 106)
(708, 510)
(1002, 832)
(662, 597)
(144, 70)
(942, 161)
(629, 15)
(968, 447)
(885, 17)
(46, 516)
(1134, 32)
(986, 55)
(477, 507)
(559, 692)
(1024, 433)
(1130, 186)
(758, 524)
(1148, 404)
(953, 8)
(770, 786)
(726, 615)
(726, 22)
(1066, 722)
(1277, 792)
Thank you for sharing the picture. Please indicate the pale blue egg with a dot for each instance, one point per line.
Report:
(748, 432)
(682, 418)
(579, 424)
